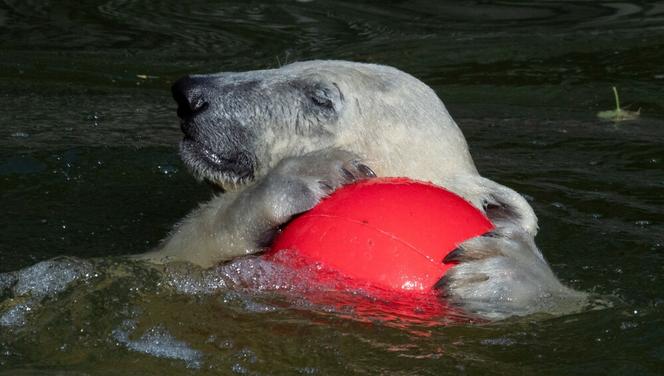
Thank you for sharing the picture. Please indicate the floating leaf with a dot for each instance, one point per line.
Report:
(619, 114)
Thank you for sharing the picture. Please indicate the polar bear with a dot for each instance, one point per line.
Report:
(275, 142)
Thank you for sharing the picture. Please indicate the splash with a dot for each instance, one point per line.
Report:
(27, 288)
(157, 341)
(265, 285)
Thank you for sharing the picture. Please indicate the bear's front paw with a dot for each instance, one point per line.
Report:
(297, 184)
(502, 274)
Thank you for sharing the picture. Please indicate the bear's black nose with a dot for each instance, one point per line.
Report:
(189, 93)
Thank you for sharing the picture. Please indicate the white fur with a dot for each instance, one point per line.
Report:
(398, 126)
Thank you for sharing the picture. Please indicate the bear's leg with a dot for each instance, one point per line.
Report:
(242, 223)
(502, 274)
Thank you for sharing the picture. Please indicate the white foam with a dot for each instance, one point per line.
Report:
(157, 341)
(50, 277)
(7, 281)
(16, 315)
(254, 273)
(36, 282)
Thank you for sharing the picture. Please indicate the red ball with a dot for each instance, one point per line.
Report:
(390, 232)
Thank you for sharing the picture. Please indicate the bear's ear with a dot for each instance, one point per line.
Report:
(325, 95)
(321, 96)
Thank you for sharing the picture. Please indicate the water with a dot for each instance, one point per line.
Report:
(88, 168)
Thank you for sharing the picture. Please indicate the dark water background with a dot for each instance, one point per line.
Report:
(88, 168)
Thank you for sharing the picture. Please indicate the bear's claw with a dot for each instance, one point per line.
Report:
(502, 273)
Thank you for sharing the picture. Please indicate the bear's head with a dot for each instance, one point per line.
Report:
(238, 125)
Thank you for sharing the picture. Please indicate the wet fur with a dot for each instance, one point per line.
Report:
(280, 140)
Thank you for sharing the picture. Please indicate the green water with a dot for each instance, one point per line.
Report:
(88, 168)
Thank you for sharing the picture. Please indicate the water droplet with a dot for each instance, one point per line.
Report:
(167, 169)
(558, 205)
(625, 325)
(94, 119)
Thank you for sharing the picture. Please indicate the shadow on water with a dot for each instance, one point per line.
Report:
(88, 169)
